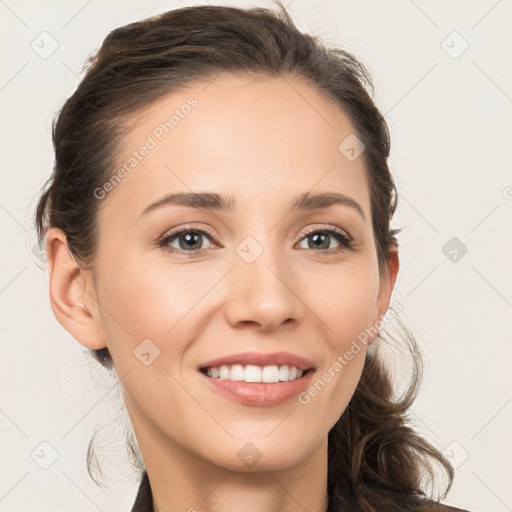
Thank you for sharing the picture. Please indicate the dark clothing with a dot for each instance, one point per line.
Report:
(144, 500)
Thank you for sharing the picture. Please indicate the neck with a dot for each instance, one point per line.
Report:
(182, 481)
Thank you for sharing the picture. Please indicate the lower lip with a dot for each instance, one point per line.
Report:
(258, 393)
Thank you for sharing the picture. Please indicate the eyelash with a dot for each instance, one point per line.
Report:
(346, 242)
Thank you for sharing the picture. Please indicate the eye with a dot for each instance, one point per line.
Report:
(321, 239)
(190, 240)
(187, 240)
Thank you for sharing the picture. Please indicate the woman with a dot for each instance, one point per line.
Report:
(218, 234)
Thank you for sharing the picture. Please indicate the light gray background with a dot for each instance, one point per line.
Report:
(451, 126)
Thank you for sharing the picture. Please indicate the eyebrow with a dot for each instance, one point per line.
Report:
(212, 201)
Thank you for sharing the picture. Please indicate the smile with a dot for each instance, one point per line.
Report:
(253, 373)
(258, 393)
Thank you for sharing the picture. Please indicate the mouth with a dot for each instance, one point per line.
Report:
(258, 379)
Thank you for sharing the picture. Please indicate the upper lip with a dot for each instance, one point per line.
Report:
(261, 359)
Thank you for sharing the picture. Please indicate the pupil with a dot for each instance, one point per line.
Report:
(316, 237)
(190, 241)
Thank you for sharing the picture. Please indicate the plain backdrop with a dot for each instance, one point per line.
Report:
(444, 81)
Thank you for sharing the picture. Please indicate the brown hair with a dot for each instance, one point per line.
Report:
(376, 461)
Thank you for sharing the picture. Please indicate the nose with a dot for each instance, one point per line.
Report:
(262, 293)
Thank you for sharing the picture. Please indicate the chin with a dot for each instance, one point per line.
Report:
(260, 455)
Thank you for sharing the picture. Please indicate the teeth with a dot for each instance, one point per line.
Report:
(237, 372)
(270, 374)
(223, 372)
(252, 373)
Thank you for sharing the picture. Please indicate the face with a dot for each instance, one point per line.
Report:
(259, 276)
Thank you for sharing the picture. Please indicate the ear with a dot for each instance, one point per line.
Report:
(387, 283)
(72, 292)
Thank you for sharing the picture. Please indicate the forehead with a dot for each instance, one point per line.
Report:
(256, 139)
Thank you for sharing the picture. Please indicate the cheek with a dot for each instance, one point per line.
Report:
(157, 303)
(152, 301)
(347, 307)
(345, 299)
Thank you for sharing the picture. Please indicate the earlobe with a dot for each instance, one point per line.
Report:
(72, 297)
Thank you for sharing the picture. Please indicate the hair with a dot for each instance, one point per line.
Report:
(376, 461)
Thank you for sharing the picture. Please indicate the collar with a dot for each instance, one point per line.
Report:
(144, 498)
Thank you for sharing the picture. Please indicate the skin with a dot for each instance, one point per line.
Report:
(264, 142)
